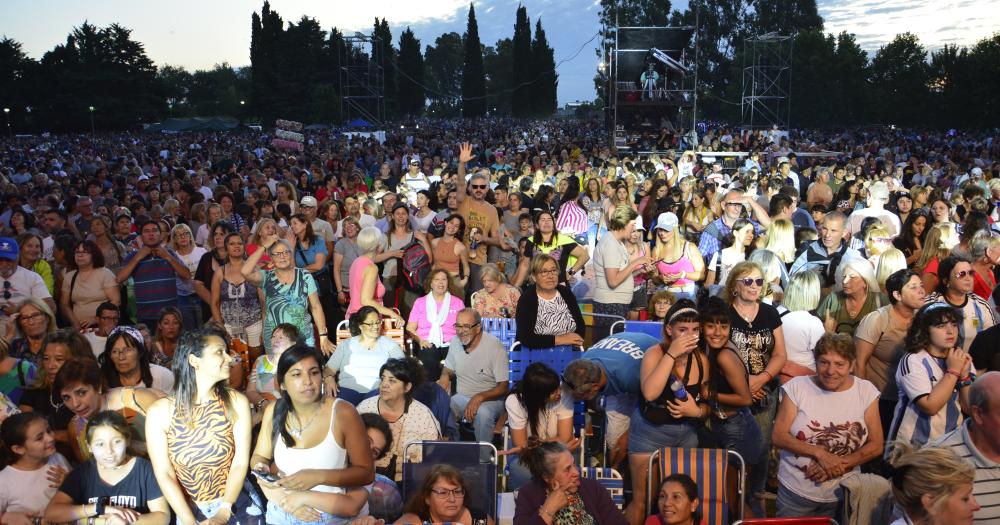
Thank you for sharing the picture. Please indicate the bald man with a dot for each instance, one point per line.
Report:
(978, 442)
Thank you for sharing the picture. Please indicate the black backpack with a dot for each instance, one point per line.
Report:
(414, 266)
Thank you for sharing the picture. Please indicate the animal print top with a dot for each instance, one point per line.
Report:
(201, 450)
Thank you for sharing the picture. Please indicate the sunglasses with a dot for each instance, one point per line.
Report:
(748, 281)
(479, 186)
(963, 274)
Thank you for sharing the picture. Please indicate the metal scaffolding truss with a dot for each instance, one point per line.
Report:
(767, 81)
(362, 79)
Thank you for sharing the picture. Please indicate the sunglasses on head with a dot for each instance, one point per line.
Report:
(748, 281)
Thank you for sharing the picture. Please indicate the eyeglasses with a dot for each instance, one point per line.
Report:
(444, 493)
(963, 274)
(373, 324)
(551, 271)
(281, 254)
(748, 281)
(464, 327)
(122, 351)
(33, 317)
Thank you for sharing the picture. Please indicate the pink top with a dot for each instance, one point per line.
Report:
(354, 277)
(418, 315)
(572, 219)
(683, 264)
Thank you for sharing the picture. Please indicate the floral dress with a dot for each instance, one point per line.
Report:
(489, 306)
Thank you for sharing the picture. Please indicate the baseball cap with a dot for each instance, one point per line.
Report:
(638, 223)
(415, 161)
(977, 172)
(667, 221)
(9, 248)
(308, 201)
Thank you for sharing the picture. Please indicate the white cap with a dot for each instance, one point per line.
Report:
(308, 201)
(667, 221)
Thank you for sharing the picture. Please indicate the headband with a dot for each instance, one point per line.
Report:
(934, 306)
(681, 311)
(130, 330)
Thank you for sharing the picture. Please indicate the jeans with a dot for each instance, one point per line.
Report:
(591, 239)
(190, 307)
(739, 432)
(486, 416)
(791, 505)
(765, 420)
(277, 516)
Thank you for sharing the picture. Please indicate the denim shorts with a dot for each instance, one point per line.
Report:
(739, 432)
(645, 437)
(277, 516)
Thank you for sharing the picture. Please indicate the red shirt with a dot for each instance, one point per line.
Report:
(982, 287)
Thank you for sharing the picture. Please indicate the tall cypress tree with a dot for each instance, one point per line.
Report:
(521, 97)
(543, 74)
(473, 74)
(385, 57)
(410, 64)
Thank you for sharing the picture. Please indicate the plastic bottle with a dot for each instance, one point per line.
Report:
(678, 388)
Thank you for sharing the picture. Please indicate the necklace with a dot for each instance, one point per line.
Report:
(55, 405)
(297, 432)
(748, 319)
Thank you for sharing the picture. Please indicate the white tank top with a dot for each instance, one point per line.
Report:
(327, 455)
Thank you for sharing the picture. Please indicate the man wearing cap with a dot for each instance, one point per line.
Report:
(878, 195)
(480, 217)
(414, 179)
(19, 283)
(321, 228)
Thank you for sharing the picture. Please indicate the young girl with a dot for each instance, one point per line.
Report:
(262, 388)
(34, 469)
(737, 243)
(113, 484)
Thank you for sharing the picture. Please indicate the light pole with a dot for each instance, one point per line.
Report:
(6, 113)
(92, 132)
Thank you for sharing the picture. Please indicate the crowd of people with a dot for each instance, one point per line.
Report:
(204, 327)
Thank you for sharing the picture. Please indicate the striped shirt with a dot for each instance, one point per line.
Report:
(572, 220)
(977, 315)
(986, 487)
(917, 374)
(155, 285)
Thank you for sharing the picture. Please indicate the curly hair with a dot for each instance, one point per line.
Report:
(918, 337)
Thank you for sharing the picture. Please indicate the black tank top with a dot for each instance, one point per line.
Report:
(656, 411)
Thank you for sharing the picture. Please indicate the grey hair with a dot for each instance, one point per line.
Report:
(475, 314)
(860, 266)
(583, 374)
(371, 239)
(981, 241)
(283, 242)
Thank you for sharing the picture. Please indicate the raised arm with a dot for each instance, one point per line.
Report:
(464, 156)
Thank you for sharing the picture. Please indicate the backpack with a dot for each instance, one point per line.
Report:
(414, 266)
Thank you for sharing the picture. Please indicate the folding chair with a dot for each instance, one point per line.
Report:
(653, 328)
(476, 461)
(821, 520)
(503, 329)
(708, 467)
(390, 328)
(610, 479)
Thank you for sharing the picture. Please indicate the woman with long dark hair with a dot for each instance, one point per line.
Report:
(199, 437)
(548, 241)
(911, 240)
(316, 444)
(127, 362)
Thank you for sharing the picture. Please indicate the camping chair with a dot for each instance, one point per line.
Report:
(709, 468)
(390, 328)
(652, 328)
(610, 479)
(477, 461)
(821, 520)
(503, 329)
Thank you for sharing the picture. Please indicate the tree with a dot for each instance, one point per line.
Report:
(410, 64)
(811, 95)
(15, 73)
(786, 17)
(473, 75)
(849, 76)
(266, 33)
(443, 72)
(521, 105)
(899, 74)
(385, 57)
(543, 75)
(499, 64)
(176, 84)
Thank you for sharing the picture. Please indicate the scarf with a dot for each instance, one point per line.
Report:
(574, 513)
(437, 318)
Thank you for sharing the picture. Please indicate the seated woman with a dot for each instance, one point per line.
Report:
(113, 485)
(557, 494)
(354, 368)
(932, 485)
(314, 463)
(17, 376)
(409, 419)
(547, 313)
(857, 294)
(126, 362)
(677, 502)
(432, 321)
(827, 427)
(536, 409)
(81, 385)
(497, 298)
(441, 498)
(34, 469)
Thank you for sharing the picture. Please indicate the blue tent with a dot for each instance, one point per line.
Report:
(359, 123)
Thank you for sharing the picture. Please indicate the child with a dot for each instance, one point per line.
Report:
(261, 389)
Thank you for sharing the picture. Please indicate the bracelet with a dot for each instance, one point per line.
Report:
(544, 513)
(322, 334)
(671, 356)
(954, 373)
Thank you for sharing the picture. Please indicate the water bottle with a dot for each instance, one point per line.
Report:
(678, 388)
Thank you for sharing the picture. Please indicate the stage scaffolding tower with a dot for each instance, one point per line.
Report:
(767, 81)
(362, 79)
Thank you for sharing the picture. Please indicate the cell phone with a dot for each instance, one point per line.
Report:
(268, 477)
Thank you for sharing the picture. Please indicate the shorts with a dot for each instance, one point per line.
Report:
(253, 333)
(640, 299)
(645, 437)
(617, 425)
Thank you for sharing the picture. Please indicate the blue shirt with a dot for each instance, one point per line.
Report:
(316, 247)
(620, 355)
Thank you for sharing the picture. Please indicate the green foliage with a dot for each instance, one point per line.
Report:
(443, 75)
(521, 104)
(411, 74)
(385, 56)
(473, 74)
(499, 63)
(899, 74)
(544, 79)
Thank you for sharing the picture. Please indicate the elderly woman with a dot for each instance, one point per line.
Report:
(290, 293)
(30, 258)
(353, 370)
(363, 277)
(409, 419)
(827, 427)
(126, 362)
(856, 295)
(33, 320)
(432, 321)
(557, 495)
(86, 287)
(933, 485)
(547, 313)
(497, 298)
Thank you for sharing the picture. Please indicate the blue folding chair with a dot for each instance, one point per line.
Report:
(610, 479)
(652, 328)
(476, 461)
(503, 329)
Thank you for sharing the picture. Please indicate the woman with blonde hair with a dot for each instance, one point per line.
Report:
(679, 264)
(780, 239)
(775, 273)
(33, 320)
(699, 214)
(188, 300)
(891, 261)
(856, 294)
(877, 240)
(932, 485)
(497, 298)
(802, 328)
(264, 228)
(941, 238)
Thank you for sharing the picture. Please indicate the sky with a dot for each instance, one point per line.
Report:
(199, 34)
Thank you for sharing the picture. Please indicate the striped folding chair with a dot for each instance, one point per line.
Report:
(503, 329)
(652, 328)
(709, 468)
(610, 479)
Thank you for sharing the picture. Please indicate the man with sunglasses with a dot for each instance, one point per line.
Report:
(481, 218)
(479, 363)
(19, 283)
